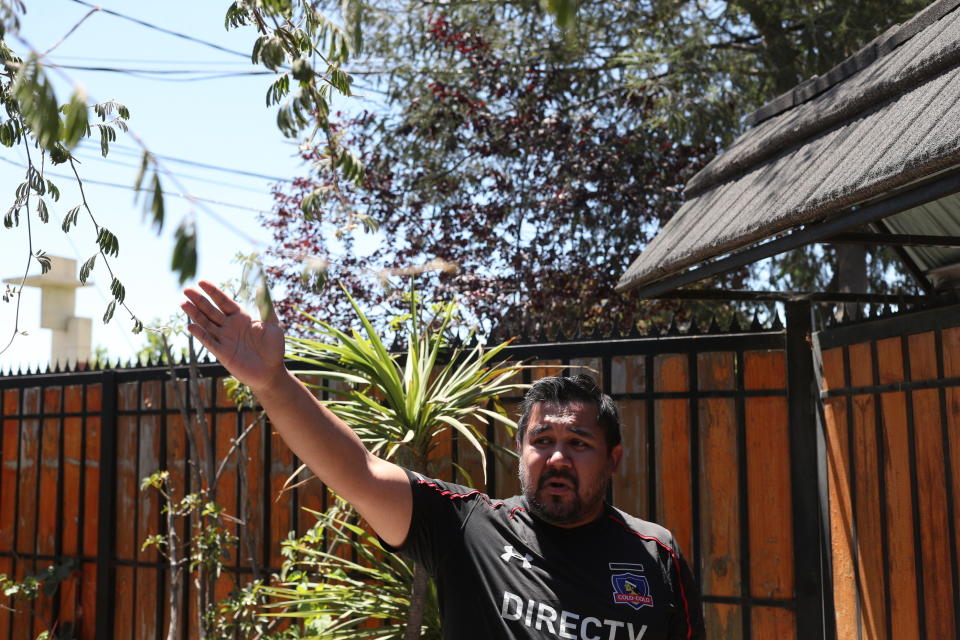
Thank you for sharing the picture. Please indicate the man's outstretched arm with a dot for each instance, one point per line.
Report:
(253, 352)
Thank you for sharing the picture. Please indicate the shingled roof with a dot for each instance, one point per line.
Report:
(886, 117)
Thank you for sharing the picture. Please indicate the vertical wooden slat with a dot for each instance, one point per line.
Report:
(723, 621)
(630, 483)
(592, 367)
(768, 496)
(29, 452)
(47, 494)
(47, 511)
(8, 471)
(719, 498)
(931, 491)
(674, 493)
(281, 522)
(904, 612)
(869, 502)
(251, 535)
(627, 374)
(122, 613)
(88, 600)
(719, 478)
(773, 622)
(951, 369)
(841, 518)
(148, 516)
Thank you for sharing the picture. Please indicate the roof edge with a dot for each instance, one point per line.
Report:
(867, 55)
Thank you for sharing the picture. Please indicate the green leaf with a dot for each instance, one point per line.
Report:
(87, 268)
(108, 314)
(302, 70)
(184, 261)
(42, 212)
(70, 219)
(156, 204)
(38, 103)
(563, 11)
(109, 244)
(107, 135)
(118, 291)
(75, 125)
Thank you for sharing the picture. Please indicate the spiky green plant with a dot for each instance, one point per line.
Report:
(400, 405)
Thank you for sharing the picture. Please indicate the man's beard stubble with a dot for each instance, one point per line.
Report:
(554, 509)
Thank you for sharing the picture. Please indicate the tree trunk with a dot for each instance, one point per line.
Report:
(418, 602)
(851, 276)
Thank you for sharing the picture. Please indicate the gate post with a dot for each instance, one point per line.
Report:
(804, 466)
(106, 512)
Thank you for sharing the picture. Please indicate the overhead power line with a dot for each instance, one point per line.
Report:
(177, 34)
(128, 187)
(124, 150)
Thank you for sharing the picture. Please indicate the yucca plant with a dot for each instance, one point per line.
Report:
(338, 596)
(400, 405)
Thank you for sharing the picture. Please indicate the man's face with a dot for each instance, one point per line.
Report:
(564, 463)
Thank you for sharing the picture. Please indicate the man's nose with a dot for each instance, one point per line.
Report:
(559, 458)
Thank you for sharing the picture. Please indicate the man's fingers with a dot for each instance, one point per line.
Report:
(222, 300)
(200, 319)
(206, 339)
(200, 302)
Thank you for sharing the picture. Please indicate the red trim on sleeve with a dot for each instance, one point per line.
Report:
(459, 496)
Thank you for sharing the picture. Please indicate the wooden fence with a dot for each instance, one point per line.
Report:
(892, 417)
(720, 436)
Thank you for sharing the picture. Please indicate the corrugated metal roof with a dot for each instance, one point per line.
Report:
(890, 123)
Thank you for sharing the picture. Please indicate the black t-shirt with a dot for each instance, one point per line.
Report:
(503, 573)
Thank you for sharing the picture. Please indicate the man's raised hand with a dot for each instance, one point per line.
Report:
(251, 350)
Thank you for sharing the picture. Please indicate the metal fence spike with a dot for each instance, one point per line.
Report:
(756, 325)
(673, 329)
(714, 326)
(777, 323)
(734, 326)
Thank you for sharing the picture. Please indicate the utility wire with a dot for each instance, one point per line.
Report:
(164, 30)
(118, 185)
(123, 150)
(96, 157)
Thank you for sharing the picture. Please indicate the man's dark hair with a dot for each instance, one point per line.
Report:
(564, 390)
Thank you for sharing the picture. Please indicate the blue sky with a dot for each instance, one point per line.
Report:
(222, 122)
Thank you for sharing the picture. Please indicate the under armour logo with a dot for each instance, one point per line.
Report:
(509, 553)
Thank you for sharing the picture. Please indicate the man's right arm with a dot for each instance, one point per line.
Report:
(253, 352)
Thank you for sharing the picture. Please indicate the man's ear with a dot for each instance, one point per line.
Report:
(616, 454)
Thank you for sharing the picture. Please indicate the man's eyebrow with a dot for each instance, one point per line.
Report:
(540, 428)
(580, 431)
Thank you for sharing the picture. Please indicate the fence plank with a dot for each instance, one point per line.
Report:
(70, 507)
(628, 374)
(903, 599)
(934, 528)
(719, 497)
(769, 497)
(765, 370)
(123, 610)
(47, 511)
(773, 622)
(841, 518)
(868, 514)
(8, 483)
(631, 481)
(281, 507)
(672, 443)
(723, 621)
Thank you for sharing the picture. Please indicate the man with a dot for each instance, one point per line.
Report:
(554, 562)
